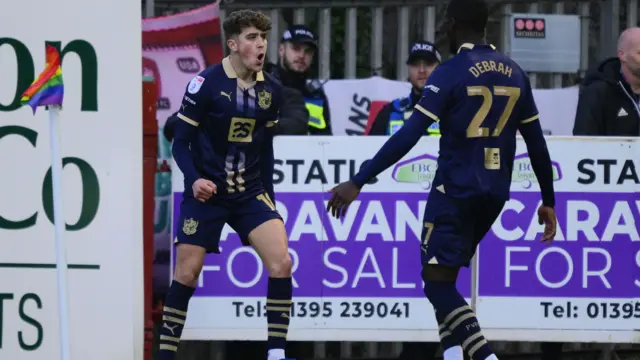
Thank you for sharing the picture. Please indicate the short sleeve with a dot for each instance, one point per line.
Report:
(196, 99)
(436, 93)
(528, 110)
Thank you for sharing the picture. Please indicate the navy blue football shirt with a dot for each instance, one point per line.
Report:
(234, 142)
(480, 98)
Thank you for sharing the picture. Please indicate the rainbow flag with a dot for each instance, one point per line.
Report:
(48, 88)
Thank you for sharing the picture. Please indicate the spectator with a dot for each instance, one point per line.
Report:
(296, 53)
(609, 100)
(423, 58)
(608, 105)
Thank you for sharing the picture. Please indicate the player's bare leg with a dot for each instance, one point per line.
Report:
(454, 312)
(271, 243)
(189, 261)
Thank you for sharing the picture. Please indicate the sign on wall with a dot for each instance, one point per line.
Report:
(354, 103)
(358, 278)
(101, 144)
(546, 43)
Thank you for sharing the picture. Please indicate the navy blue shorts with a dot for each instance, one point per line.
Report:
(454, 227)
(201, 223)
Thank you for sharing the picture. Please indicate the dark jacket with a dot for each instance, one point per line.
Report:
(313, 94)
(294, 117)
(606, 104)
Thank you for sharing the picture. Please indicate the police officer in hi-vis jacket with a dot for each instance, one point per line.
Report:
(296, 53)
(423, 58)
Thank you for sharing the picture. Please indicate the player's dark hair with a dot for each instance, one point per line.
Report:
(237, 21)
(469, 14)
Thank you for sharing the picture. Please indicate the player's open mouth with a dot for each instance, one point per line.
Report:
(260, 58)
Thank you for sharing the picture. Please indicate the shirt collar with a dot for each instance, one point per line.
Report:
(470, 46)
(231, 73)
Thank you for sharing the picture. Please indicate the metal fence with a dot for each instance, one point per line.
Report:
(371, 37)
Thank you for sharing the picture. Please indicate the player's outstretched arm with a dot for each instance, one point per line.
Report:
(397, 146)
(428, 110)
(391, 152)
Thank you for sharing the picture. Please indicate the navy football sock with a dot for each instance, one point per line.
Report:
(279, 292)
(458, 318)
(174, 315)
(446, 337)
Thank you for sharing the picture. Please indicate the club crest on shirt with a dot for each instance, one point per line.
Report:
(189, 227)
(264, 99)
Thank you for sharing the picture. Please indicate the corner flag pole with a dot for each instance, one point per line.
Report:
(48, 90)
(59, 224)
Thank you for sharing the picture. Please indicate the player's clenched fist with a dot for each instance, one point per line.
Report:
(203, 189)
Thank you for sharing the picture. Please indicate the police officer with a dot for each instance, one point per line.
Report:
(296, 53)
(423, 58)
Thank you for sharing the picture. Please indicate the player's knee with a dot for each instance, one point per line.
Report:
(435, 277)
(430, 290)
(437, 290)
(189, 260)
(439, 273)
(187, 275)
(280, 267)
(187, 272)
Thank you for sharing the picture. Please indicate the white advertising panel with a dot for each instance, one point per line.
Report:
(101, 146)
